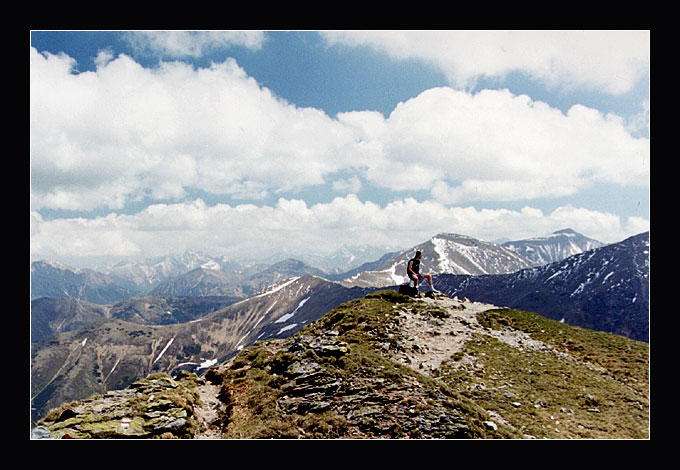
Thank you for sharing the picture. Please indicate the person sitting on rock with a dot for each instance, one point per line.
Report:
(413, 271)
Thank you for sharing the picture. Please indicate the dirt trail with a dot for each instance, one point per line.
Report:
(431, 340)
(207, 413)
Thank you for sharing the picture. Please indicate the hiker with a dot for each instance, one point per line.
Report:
(413, 271)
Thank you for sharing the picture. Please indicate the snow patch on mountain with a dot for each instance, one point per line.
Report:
(288, 316)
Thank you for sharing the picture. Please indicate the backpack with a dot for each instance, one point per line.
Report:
(409, 290)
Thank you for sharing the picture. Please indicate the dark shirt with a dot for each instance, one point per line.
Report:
(415, 267)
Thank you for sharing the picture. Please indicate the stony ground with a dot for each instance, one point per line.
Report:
(430, 340)
(433, 339)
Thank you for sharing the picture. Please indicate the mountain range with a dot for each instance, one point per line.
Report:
(605, 289)
(80, 348)
(108, 352)
(199, 274)
(443, 253)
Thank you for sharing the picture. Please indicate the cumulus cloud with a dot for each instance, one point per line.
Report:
(122, 132)
(495, 146)
(245, 230)
(608, 61)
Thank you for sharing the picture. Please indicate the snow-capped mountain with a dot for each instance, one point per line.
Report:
(444, 253)
(554, 247)
(192, 273)
(145, 275)
(604, 289)
(203, 281)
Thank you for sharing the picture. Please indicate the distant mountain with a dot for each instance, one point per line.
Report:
(203, 281)
(444, 253)
(604, 289)
(554, 247)
(147, 274)
(191, 274)
(368, 266)
(165, 309)
(50, 316)
(111, 353)
(51, 279)
(344, 259)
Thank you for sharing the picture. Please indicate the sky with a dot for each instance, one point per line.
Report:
(250, 143)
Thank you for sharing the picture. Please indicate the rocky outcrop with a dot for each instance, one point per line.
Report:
(156, 407)
(337, 378)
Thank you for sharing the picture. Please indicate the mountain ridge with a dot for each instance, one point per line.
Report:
(112, 352)
(606, 288)
(553, 247)
(387, 366)
(445, 252)
(275, 312)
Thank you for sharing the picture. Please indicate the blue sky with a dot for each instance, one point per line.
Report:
(248, 143)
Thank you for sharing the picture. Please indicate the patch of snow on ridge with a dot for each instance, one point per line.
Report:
(276, 288)
(207, 363)
(285, 328)
(164, 349)
(446, 265)
(442, 248)
(396, 277)
(211, 264)
(288, 316)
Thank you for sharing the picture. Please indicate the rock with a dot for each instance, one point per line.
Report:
(329, 347)
(153, 407)
(491, 425)
(40, 432)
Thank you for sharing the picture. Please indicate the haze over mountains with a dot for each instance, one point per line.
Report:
(199, 274)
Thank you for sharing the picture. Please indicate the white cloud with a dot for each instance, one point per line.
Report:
(175, 44)
(495, 146)
(608, 61)
(121, 133)
(245, 231)
(349, 185)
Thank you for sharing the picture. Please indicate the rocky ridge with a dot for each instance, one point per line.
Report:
(386, 366)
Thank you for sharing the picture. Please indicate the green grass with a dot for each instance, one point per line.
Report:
(602, 393)
(252, 384)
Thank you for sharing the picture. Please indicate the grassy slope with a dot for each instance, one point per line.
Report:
(602, 391)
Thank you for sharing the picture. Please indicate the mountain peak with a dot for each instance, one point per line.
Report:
(452, 236)
(566, 231)
(554, 247)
